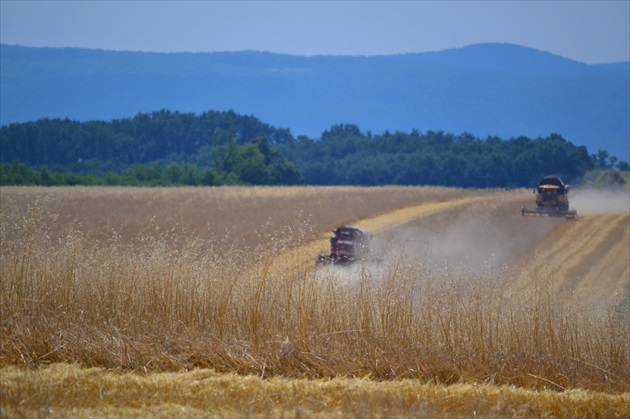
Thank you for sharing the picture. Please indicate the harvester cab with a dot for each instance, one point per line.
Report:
(552, 199)
(348, 244)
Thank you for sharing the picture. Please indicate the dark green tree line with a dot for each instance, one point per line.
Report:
(345, 156)
(224, 148)
(255, 163)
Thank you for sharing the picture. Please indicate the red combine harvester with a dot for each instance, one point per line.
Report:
(348, 245)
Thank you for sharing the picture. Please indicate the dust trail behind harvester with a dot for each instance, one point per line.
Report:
(480, 239)
(601, 201)
(489, 239)
(474, 239)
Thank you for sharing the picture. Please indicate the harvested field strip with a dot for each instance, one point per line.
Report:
(584, 258)
(603, 267)
(378, 224)
(401, 216)
(64, 390)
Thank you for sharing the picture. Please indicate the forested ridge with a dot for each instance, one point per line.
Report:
(487, 89)
(225, 148)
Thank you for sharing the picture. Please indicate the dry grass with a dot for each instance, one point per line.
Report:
(146, 306)
(247, 216)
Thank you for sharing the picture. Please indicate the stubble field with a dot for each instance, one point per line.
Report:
(207, 302)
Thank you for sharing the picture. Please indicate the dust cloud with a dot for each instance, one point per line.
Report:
(485, 241)
(478, 242)
(484, 244)
(600, 201)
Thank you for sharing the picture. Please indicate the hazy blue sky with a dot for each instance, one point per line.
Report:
(586, 31)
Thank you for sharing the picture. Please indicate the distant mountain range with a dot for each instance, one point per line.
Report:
(499, 90)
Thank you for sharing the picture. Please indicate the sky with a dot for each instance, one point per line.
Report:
(591, 32)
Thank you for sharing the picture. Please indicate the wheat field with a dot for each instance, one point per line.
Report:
(207, 302)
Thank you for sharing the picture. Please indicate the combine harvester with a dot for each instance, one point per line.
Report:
(552, 200)
(348, 245)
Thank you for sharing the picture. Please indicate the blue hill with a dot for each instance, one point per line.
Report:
(486, 89)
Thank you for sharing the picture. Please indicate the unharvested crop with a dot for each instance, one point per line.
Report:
(158, 303)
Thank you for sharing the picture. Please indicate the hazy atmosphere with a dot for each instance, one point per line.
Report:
(587, 31)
